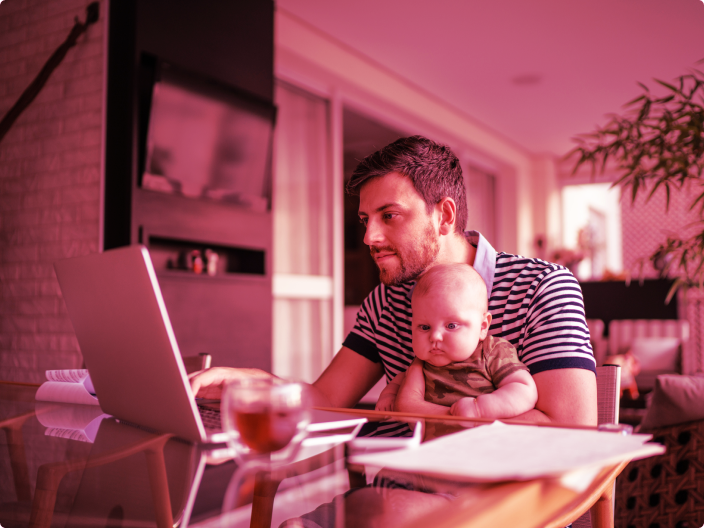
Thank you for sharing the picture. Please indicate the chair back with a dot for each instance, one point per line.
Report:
(623, 331)
(608, 391)
(661, 346)
(195, 363)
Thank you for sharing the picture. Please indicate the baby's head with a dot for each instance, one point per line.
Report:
(450, 314)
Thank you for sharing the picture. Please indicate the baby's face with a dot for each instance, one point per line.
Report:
(447, 328)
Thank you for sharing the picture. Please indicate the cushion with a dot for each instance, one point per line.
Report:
(676, 399)
(657, 353)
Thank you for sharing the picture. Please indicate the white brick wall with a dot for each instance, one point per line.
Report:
(49, 179)
(646, 224)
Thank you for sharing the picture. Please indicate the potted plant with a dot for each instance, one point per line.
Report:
(658, 143)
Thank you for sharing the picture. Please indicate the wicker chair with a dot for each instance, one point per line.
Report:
(667, 490)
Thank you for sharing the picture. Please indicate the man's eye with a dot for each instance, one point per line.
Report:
(363, 221)
(389, 216)
(452, 326)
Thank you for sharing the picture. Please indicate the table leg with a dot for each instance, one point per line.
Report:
(602, 512)
(159, 483)
(18, 461)
(263, 501)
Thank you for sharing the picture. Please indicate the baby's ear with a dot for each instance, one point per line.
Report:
(486, 323)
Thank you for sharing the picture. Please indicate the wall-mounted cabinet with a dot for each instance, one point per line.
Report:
(211, 69)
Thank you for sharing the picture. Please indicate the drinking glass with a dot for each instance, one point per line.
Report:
(265, 418)
(266, 422)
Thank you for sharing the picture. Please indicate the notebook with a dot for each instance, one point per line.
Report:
(129, 347)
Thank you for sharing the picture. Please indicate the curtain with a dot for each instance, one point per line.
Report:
(302, 211)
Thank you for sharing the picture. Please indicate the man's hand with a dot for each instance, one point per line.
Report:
(209, 383)
(385, 402)
(412, 389)
(466, 407)
(387, 398)
(565, 396)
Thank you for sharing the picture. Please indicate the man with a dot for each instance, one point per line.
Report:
(414, 207)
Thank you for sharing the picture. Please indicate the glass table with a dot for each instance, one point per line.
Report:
(67, 465)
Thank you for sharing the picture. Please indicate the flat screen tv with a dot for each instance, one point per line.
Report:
(206, 141)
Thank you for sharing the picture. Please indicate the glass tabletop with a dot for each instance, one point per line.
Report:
(70, 465)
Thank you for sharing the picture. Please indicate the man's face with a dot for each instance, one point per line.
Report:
(402, 237)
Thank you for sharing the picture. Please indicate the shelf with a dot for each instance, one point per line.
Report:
(176, 258)
(191, 276)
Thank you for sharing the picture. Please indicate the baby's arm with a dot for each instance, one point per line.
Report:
(515, 395)
(411, 396)
(387, 398)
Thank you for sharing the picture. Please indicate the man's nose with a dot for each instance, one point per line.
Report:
(373, 235)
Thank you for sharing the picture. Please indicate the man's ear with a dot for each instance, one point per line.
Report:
(448, 215)
(486, 324)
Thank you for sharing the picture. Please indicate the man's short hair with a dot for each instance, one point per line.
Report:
(433, 168)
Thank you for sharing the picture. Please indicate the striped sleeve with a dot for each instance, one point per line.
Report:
(362, 338)
(556, 330)
(383, 329)
(538, 307)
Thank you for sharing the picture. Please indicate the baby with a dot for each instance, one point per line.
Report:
(458, 365)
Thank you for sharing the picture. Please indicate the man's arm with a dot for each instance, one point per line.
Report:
(348, 377)
(565, 396)
(515, 394)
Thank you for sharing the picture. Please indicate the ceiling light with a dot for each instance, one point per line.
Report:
(527, 79)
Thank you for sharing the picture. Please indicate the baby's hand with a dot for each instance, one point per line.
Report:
(386, 402)
(466, 407)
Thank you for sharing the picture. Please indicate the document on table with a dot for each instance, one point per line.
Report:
(501, 452)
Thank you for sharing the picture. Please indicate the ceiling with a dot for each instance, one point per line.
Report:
(537, 72)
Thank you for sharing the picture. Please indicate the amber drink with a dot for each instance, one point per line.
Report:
(265, 416)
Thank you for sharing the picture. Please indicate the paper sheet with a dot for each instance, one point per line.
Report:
(501, 452)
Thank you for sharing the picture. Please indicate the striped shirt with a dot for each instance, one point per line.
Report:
(535, 305)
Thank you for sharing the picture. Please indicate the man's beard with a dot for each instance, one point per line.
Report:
(412, 261)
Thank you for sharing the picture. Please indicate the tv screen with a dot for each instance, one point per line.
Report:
(205, 143)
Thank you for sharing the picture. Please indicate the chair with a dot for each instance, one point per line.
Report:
(195, 363)
(666, 490)
(599, 505)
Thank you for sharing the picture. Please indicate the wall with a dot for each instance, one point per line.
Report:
(50, 177)
(646, 223)
(546, 204)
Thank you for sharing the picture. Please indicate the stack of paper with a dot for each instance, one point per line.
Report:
(67, 386)
(501, 452)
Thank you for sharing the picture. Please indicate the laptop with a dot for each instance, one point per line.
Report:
(129, 347)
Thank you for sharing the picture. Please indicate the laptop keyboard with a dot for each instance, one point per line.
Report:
(210, 417)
